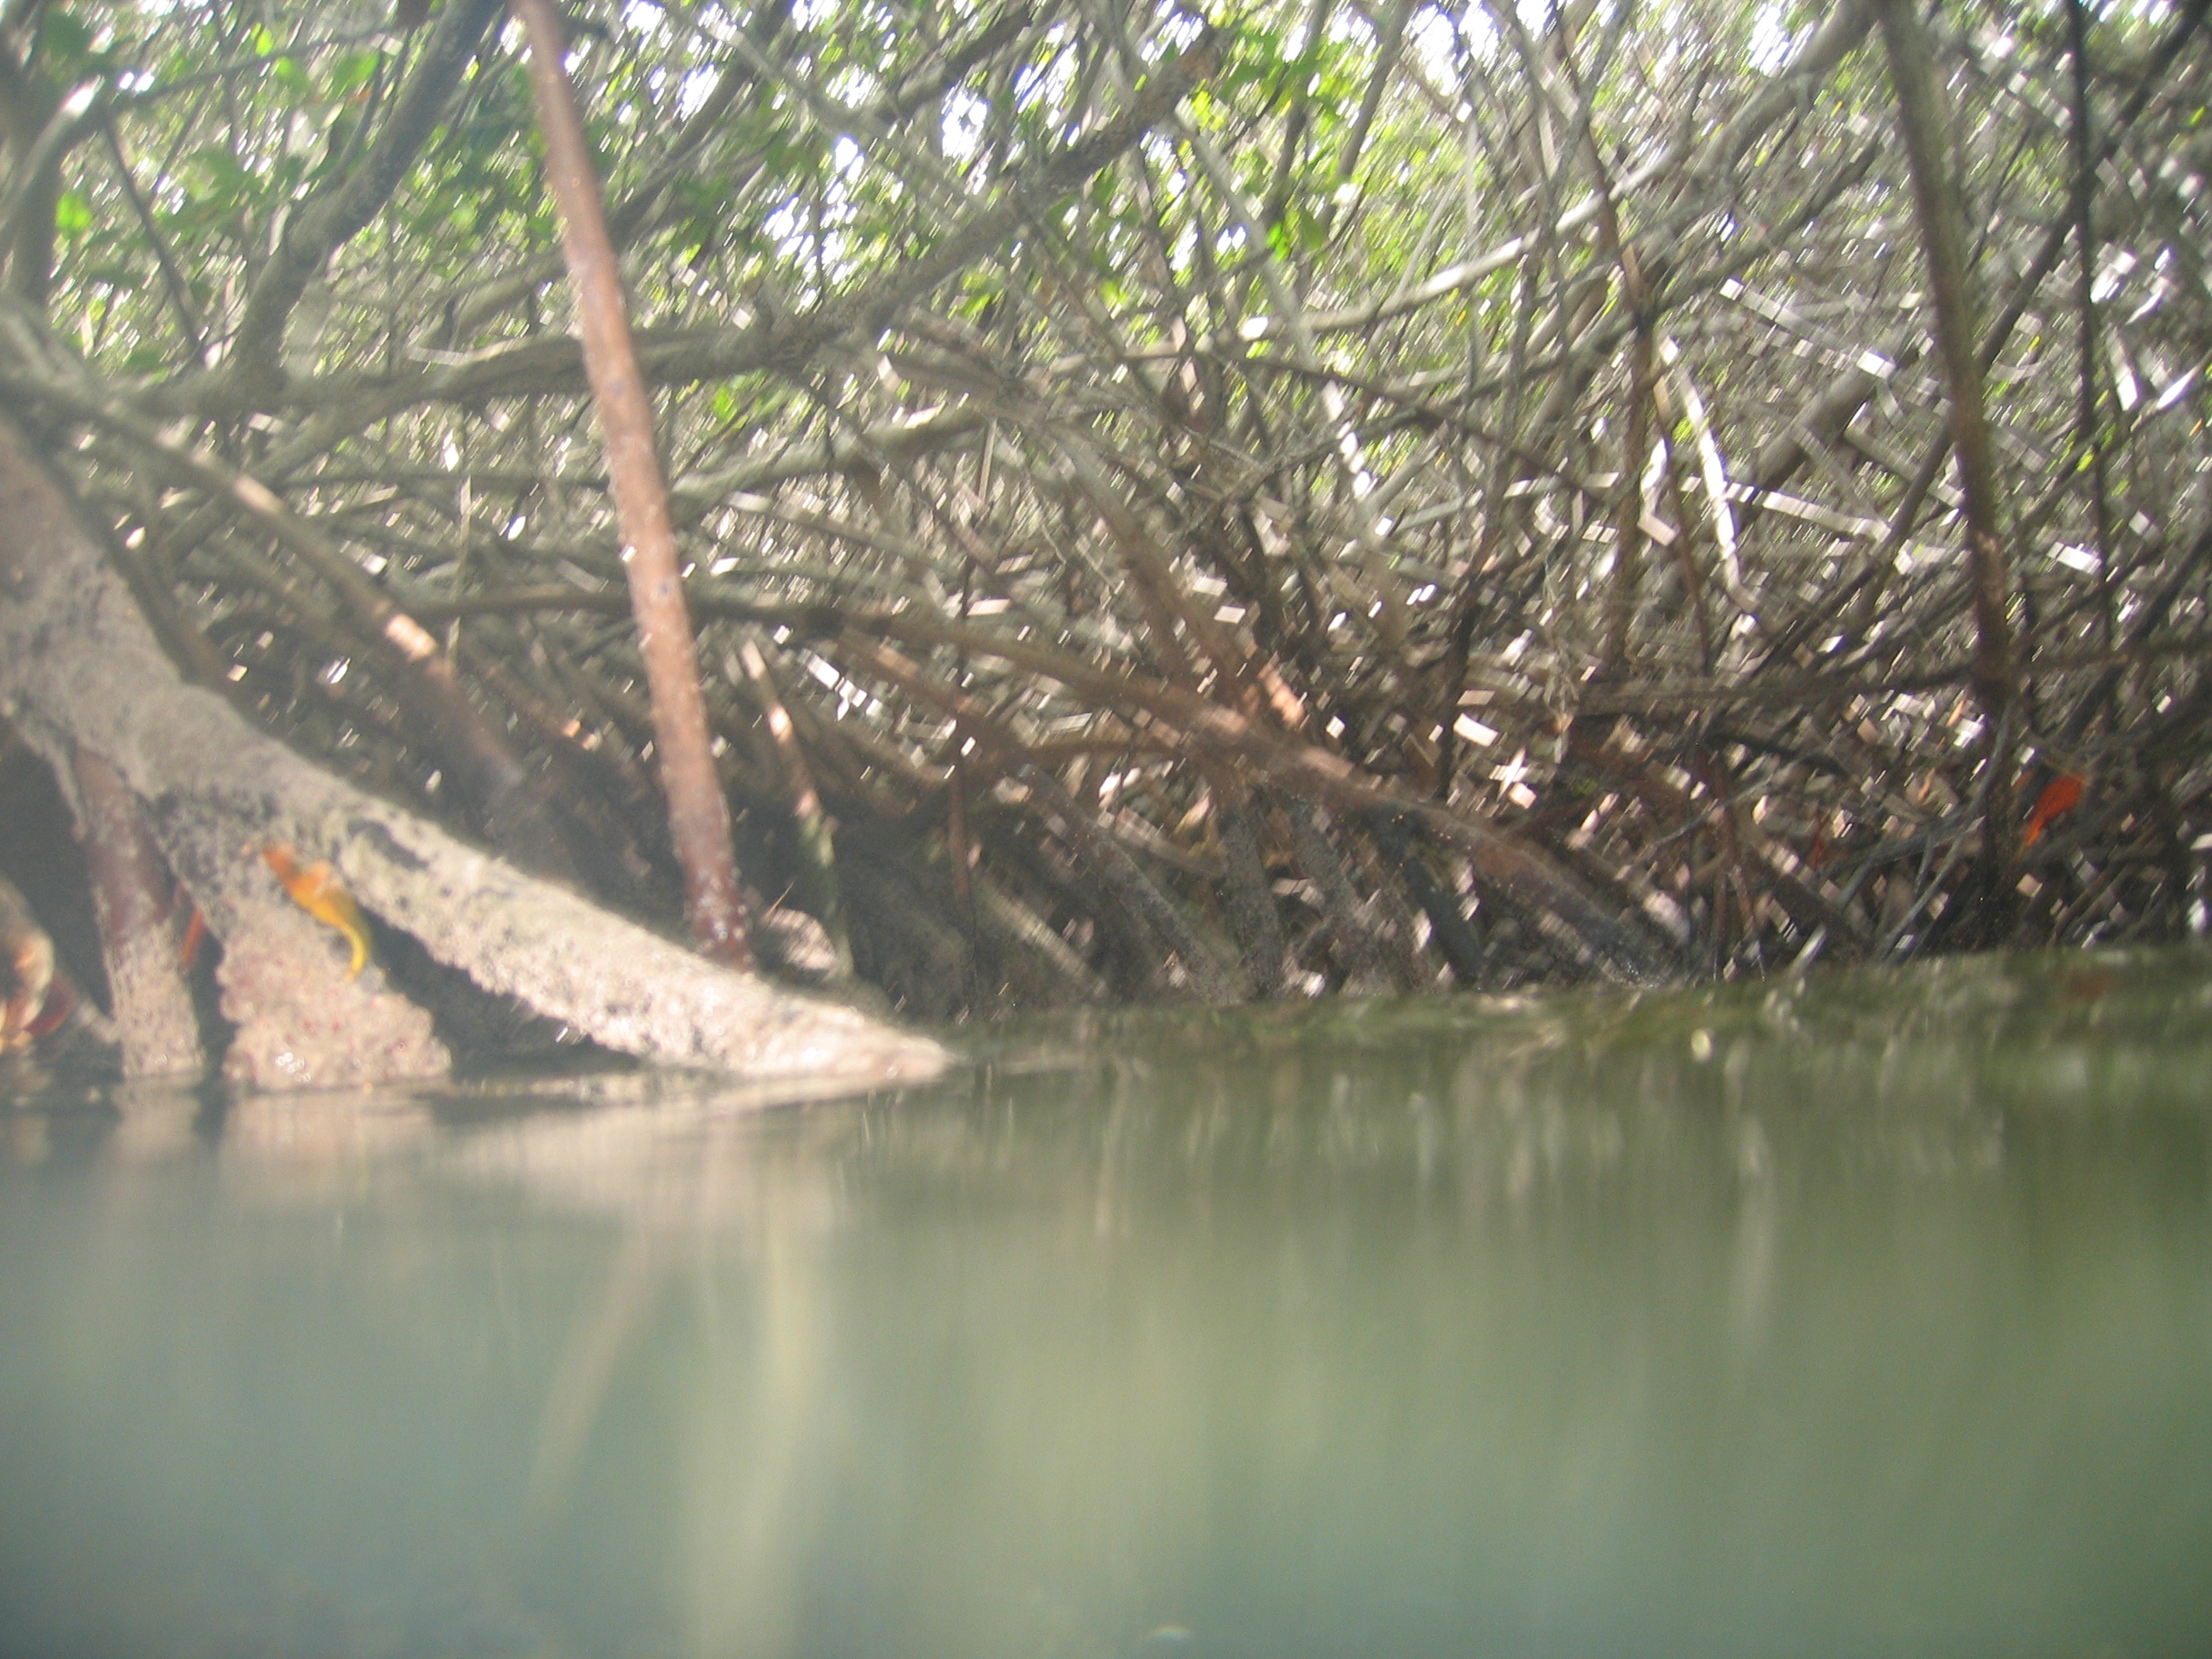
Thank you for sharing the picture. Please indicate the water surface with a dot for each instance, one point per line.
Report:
(1865, 1315)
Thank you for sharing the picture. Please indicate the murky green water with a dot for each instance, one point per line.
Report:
(1870, 1318)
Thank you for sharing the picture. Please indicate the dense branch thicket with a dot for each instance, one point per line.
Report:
(1358, 494)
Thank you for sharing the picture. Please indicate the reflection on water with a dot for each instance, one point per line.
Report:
(1868, 1317)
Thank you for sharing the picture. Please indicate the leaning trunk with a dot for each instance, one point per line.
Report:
(81, 674)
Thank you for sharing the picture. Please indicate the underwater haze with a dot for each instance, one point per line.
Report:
(1865, 1314)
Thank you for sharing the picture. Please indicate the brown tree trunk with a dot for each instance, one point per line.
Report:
(698, 816)
(1924, 122)
(131, 892)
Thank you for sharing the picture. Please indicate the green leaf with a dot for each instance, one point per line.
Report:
(226, 180)
(65, 42)
(72, 214)
(353, 70)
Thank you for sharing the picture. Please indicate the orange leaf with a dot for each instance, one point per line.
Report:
(2060, 793)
